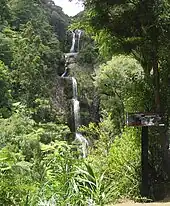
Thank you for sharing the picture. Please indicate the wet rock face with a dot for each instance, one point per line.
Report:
(62, 101)
(69, 63)
(89, 99)
(71, 55)
(70, 58)
(66, 84)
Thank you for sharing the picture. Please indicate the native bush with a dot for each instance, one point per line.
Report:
(38, 167)
(15, 178)
(124, 163)
(121, 85)
(115, 158)
(23, 161)
(5, 92)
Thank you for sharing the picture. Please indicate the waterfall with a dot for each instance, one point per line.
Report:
(76, 112)
(76, 106)
(65, 72)
(73, 42)
(84, 144)
(79, 139)
(74, 85)
(79, 36)
(76, 36)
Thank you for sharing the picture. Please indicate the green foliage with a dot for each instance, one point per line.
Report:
(91, 186)
(41, 168)
(122, 87)
(32, 53)
(37, 166)
(24, 12)
(15, 178)
(102, 135)
(115, 159)
(129, 33)
(31, 49)
(33, 74)
(5, 92)
(124, 158)
(107, 44)
(4, 11)
(5, 49)
(27, 149)
(15, 170)
(88, 55)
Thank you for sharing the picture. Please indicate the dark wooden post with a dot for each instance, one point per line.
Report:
(144, 162)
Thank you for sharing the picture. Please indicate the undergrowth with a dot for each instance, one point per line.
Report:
(38, 167)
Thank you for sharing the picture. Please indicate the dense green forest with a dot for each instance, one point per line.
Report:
(122, 66)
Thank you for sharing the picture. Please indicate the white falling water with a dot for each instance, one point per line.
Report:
(79, 36)
(76, 36)
(74, 85)
(83, 144)
(76, 109)
(73, 42)
(76, 106)
(79, 139)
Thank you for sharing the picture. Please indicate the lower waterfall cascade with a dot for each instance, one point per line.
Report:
(76, 112)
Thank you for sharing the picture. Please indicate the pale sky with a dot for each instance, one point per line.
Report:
(69, 8)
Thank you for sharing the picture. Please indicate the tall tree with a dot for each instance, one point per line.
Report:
(138, 26)
(4, 11)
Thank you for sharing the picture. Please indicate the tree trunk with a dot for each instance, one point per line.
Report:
(163, 138)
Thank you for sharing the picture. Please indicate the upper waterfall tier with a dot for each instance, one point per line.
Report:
(76, 35)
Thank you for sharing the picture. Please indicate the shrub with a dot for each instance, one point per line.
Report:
(124, 164)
